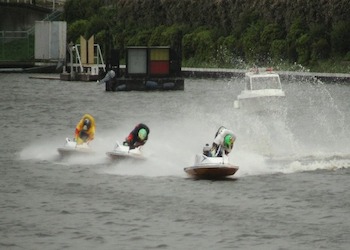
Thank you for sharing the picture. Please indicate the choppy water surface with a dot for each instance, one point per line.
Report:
(291, 191)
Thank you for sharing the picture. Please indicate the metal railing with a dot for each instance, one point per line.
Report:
(49, 4)
(78, 66)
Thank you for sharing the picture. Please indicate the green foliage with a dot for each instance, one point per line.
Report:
(171, 34)
(246, 18)
(303, 49)
(76, 29)
(95, 25)
(347, 56)
(189, 48)
(278, 50)
(81, 9)
(253, 49)
(204, 41)
(319, 45)
(271, 32)
(319, 50)
(156, 38)
(199, 44)
(340, 38)
(217, 32)
(226, 50)
(140, 39)
(296, 30)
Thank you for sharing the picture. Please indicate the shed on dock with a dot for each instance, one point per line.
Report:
(148, 68)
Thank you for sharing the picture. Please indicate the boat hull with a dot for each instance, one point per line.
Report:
(206, 167)
(212, 172)
(121, 152)
(71, 148)
(69, 151)
(122, 156)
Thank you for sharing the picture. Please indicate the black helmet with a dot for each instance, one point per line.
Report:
(86, 124)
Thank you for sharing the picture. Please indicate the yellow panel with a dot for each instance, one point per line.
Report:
(159, 54)
(91, 53)
(83, 51)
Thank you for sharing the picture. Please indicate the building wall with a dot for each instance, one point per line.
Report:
(19, 18)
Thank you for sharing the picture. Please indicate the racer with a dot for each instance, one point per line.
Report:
(223, 142)
(137, 137)
(85, 129)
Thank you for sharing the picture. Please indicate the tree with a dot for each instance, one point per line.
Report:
(340, 38)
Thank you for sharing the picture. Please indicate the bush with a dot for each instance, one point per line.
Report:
(340, 38)
(302, 48)
(319, 50)
(76, 29)
(278, 50)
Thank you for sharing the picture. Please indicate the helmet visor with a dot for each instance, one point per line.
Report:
(142, 134)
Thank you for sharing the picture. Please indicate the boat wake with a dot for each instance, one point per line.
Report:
(322, 161)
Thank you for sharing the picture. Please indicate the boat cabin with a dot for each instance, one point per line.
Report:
(260, 85)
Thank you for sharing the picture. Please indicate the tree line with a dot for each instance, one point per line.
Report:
(219, 33)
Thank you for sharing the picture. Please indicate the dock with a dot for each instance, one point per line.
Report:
(341, 78)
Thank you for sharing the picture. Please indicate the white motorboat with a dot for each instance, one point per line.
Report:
(263, 90)
(70, 147)
(123, 152)
(206, 167)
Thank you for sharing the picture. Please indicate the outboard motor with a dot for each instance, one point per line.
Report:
(206, 150)
(109, 76)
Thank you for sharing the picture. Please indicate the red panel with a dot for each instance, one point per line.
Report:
(159, 67)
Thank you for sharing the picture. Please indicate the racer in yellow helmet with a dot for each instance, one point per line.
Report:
(85, 129)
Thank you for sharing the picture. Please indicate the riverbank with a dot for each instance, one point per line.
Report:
(220, 73)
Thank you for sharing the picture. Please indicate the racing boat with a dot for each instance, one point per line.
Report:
(70, 147)
(123, 152)
(206, 167)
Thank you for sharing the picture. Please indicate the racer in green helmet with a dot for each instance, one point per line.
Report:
(137, 137)
(223, 142)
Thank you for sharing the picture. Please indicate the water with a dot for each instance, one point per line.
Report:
(291, 191)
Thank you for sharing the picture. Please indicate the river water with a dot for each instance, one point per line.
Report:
(291, 191)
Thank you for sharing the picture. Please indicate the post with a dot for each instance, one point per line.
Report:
(71, 48)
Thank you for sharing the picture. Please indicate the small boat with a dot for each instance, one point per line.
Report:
(120, 152)
(206, 167)
(263, 89)
(70, 147)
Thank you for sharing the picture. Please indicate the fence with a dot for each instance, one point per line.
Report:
(17, 45)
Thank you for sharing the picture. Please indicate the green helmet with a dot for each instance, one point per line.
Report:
(142, 134)
(228, 141)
